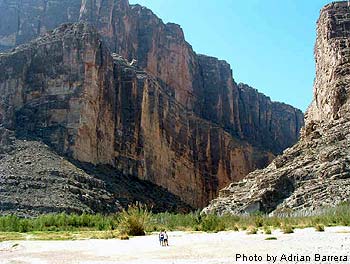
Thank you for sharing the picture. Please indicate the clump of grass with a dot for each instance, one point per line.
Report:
(235, 228)
(123, 237)
(271, 238)
(259, 221)
(267, 230)
(319, 228)
(252, 230)
(8, 236)
(287, 229)
(53, 236)
(134, 221)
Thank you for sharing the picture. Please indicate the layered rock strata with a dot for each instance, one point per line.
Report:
(60, 88)
(98, 109)
(178, 119)
(315, 173)
(203, 85)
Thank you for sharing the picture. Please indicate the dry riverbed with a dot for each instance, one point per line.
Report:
(189, 248)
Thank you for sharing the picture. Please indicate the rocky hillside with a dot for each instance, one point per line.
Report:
(177, 119)
(34, 180)
(316, 171)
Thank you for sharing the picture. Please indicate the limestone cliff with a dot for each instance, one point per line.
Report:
(158, 140)
(67, 90)
(316, 171)
(202, 84)
(178, 119)
(60, 88)
(332, 54)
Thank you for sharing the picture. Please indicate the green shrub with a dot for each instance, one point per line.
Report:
(267, 230)
(210, 222)
(259, 221)
(244, 228)
(134, 221)
(319, 228)
(287, 229)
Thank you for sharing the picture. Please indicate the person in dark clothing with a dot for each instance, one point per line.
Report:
(161, 238)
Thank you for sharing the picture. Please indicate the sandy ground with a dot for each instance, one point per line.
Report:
(185, 248)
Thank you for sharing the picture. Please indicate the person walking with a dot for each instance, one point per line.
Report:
(166, 243)
(161, 238)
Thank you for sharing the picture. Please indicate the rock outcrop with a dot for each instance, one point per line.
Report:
(178, 119)
(67, 90)
(314, 173)
(60, 88)
(259, 115)
(203, 85)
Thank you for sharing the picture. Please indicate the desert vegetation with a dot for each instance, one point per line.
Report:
(139, 220)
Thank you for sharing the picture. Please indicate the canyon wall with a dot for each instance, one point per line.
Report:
(332, 54)
(202, 84)
(315, 173)
(66, 89)
(177, 119)
(60, 88)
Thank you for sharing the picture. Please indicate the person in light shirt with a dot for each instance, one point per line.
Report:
(166, 243)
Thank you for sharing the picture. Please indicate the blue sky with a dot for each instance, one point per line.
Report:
(269, 43)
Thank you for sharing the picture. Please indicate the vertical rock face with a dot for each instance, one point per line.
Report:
(60, 88)
(268, 124)
(332, 53)
(66, 89)
(136, 33)
(219, 94)
(178, 119)
(202, 84)
(314, 173)
(158, 140)
(21, 21)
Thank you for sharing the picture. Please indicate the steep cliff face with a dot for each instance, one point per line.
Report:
(200, 83)
(316, 171)
(21, 21)
(268, 124)
(178, 119)
(332, 53)
(159, 141)
(60, 88)
(66, 89)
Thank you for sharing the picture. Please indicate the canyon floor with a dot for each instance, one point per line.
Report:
(189, 248)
